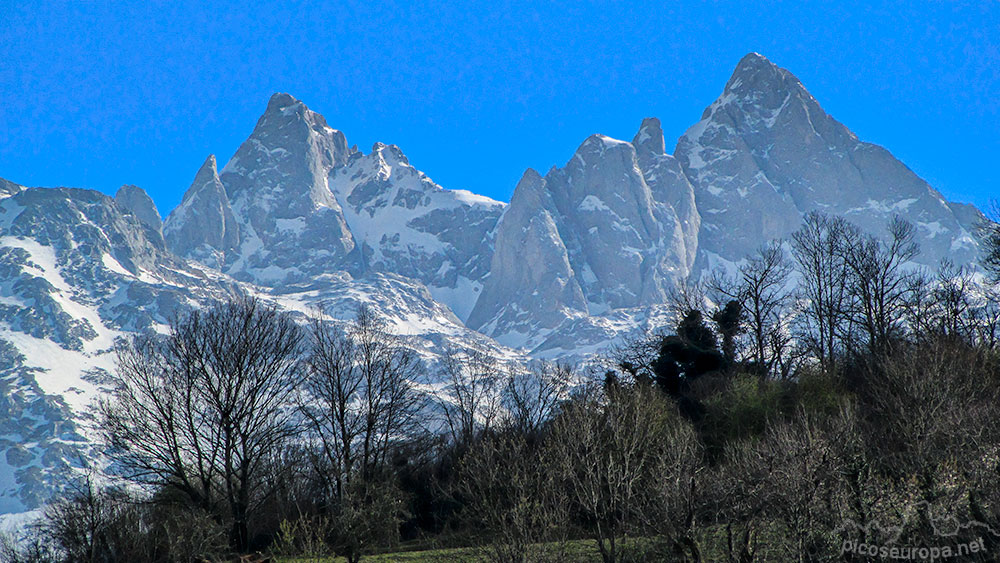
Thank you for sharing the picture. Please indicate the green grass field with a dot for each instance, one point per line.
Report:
(580, 550)
(711, 541)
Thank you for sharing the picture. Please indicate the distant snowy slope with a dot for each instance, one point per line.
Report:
(295, 202)
(408, 225)
(76, 271)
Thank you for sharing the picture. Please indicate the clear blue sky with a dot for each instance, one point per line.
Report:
(96, 94)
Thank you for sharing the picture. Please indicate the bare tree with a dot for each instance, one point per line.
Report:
(201, 410)
(761, 287)
(918, 308)
(530, 397)
(635, 356)
(818, 248)
(954, 301)
(931, 405)
(877, 282)
(510, 492)
(359, 395)
(989, 236)
(611, 453)
(359, 403)
(798, 476)
(471, 401)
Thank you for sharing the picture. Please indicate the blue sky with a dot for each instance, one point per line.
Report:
(97, 94)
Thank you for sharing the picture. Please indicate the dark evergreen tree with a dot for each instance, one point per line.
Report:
(729, 319)
(685, 356)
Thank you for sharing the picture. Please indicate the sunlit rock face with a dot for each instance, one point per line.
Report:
(296, 202)
(136, 201)
(203, 227)
(615, 228)
(765, 153)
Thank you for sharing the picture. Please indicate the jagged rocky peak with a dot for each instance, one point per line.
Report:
(649, 138)
(390, 153)
(282, 167)
(208, 172)
(669, 186)
(532, 283)
(203, 226)
(755, 73)
(136, 201)
(291, 225)
(765, 152)
(406, 224)
(283, 108)
(588, 238)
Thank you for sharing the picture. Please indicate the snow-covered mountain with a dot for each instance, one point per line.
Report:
(296, 202)
(77, 269)
(580, 256)
(765, 153)
(576, 251)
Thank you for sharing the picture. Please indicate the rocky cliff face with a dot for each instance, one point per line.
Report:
(291, 227)
(203, 227)
(295, 202)
(406, 224)
(136, 201)
(607, 236)
(615, 228)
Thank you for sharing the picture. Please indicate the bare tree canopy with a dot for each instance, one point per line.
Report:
(202, 409)
(359, 403)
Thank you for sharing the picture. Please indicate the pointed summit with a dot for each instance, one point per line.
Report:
(207, 173)
(765, 152)
(278, 187)
(649, 139)
(286, 160)
(754, 71)
(203, 227)
(390, 153)
(762, 87)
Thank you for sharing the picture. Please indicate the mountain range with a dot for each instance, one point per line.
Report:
(581, 255)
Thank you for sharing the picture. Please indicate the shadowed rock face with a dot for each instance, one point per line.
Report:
(137, 202)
